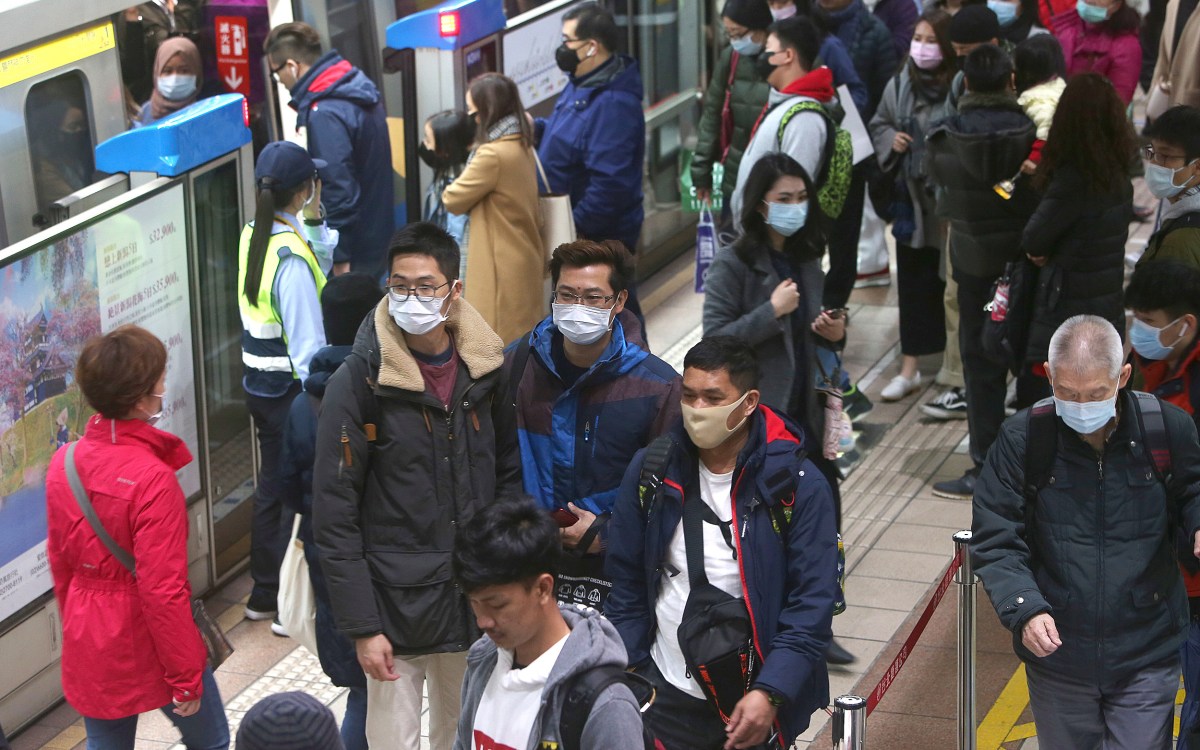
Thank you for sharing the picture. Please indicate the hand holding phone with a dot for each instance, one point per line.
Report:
(564, 518)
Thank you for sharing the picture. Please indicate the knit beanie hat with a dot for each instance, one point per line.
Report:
(974, 24)
(345, 301)
(753, 14)
(289, 721)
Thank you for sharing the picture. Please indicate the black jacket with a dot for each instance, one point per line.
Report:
(385, 514)
(1083, 235)
(967, 154)
(1098, 557)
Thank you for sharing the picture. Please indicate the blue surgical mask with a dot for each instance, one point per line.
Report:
(746, 46)
(1090, 13)
(1086, 418)
(1160, 180)
(176, 87)
(1005, 12)
(787, 218)
(1147, 342)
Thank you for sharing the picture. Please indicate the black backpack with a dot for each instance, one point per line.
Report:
(1042, 445)
(581, 696)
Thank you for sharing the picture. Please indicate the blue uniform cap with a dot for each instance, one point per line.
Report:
(284, 164)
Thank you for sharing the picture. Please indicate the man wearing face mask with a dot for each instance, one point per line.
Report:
(415, 435)
(592, 145)
(341, 112)
(767, 527)
(1173, 175)
(1074, 529)
(588, 397)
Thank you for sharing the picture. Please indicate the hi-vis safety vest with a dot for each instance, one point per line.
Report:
(268, 368)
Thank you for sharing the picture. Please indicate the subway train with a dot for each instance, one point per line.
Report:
(101, 224)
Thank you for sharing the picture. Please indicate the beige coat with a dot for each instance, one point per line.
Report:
(1180, 67)
(505, 260)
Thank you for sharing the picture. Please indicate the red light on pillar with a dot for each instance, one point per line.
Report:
(448, 23)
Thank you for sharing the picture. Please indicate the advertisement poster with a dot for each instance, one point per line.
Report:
(529, 59)
(128, 268)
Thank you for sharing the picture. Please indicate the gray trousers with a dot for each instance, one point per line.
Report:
(1133, 714)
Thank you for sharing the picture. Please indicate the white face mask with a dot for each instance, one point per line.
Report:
(414, 316)
(176, 87)
(783, 13)
(581, 324)
(152, 419)
(709, 427)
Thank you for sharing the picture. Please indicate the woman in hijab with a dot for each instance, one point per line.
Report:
(177, 79)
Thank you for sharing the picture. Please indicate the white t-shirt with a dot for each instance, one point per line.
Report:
(511, 701)
(720, 566)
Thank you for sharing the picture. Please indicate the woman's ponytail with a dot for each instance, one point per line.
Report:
(260, 237)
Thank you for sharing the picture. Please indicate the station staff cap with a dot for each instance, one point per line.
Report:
(284, 164)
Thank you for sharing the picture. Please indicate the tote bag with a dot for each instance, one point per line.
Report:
(558, 221)
(297, 602)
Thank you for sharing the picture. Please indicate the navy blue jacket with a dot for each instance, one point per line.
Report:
(869, 43)
(592, 147)
(790, 590)
(343, 113)
(336, 651)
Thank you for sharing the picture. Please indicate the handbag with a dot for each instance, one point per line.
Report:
(297, 602)
(558, 220)
(716, 635)
(1009, 315)
(215, 642)
(706, 246)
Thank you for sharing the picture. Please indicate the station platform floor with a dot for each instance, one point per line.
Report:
(898, 544)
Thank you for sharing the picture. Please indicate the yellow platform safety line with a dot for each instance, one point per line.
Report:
(1000, 725)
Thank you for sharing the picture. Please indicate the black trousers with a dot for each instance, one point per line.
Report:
(843, 243)
(922, 312)
(269, 531)
(986, 379)
(680, 721)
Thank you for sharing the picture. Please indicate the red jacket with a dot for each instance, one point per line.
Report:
(129, 646)
(1115, 54)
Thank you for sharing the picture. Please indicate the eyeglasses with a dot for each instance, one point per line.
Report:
(1152, 156)
(275, 71)
(424, 292)
(590, 300)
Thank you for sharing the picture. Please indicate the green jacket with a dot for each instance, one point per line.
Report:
(749, 97)
(1181, 244)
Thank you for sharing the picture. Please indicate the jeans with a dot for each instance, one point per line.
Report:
(830, 361)
(207, 729)
(1189, 716)
(269, 533)
(987, 381)
(354, 723)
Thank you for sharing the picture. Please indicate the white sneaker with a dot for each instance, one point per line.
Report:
(900, 387)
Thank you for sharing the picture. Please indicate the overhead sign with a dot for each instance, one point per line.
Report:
(233, 53)
(51, 55)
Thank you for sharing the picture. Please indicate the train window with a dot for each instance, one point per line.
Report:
(58, 126)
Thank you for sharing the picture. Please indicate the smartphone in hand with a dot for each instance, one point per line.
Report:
(564, 518)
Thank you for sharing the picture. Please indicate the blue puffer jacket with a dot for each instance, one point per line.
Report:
(343, 113)
(592, 147)
(577, 442)
(336, 651)
(790, 588)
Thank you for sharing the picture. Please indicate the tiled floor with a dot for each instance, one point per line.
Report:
(897, 538)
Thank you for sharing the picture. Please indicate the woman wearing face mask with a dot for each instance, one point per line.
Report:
(1077, 235)
(129, 644)
(1101, 36)
(1018, 19)
(913, 99)
(735, 98)
(283, 259)
(177, 80)
(447, 142)
(498, 188)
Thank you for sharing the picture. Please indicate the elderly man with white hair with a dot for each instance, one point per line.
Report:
(1076, 516)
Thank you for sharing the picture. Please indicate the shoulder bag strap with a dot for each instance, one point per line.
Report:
(693, 540)
(519, 362)
(541, 173)
(89, 512)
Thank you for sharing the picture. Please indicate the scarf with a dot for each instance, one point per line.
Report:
(160, 106)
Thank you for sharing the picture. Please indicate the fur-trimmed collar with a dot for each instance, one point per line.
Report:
(480, 349)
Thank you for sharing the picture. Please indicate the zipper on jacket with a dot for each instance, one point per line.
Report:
(754, 501)
(1100, 559)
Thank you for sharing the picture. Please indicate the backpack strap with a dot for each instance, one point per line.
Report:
(654, 467)
(519, 361)
(581, 695)
(830, 136)
(1154, 433)
(1041, 445)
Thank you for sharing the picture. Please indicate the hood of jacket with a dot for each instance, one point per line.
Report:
(381, 343)
(973, 135)
(816, 84)
(620, 73)
(323, 364)
(331, 77)
(618, 358)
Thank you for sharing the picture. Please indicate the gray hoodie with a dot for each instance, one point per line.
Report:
(615, 721)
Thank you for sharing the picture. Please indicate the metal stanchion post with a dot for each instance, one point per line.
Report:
(965, 578)
(850, 723)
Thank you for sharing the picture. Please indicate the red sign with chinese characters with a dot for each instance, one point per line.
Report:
(233, 53)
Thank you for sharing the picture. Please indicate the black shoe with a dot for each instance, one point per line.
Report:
(838, 655)
(962, 488)
(952, 404)
(261, 608)
(856, 404)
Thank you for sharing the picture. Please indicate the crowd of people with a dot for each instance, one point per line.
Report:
(532, 519)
